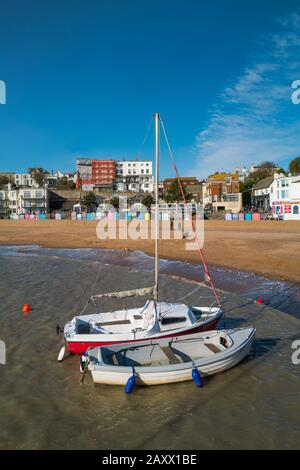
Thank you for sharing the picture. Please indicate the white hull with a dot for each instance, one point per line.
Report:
(103, 329)
(172, 373)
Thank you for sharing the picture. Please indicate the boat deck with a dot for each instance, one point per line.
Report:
(160, 355)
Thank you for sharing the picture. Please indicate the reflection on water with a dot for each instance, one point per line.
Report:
(43, 404)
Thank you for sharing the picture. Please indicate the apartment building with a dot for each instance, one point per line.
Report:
(134, 176)
(23, 200)
(99, 174)
(123, 175)
(31, 201)
(25, 179)
(8, 201)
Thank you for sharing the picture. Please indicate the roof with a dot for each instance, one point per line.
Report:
(223, 176)
(264, 183)
(182, 178)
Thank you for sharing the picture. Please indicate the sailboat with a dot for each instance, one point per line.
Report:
(156, 319)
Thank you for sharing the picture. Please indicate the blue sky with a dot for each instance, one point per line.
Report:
(84, 77)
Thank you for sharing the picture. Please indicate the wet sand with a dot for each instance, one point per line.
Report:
(269, 248)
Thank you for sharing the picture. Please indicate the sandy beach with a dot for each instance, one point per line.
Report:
(265, 247)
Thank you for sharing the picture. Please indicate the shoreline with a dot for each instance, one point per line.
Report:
(270, 249)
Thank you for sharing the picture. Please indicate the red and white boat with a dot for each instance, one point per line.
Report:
(156, 319)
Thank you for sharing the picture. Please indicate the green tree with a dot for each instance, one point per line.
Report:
(264, 169)
(294, 166)
(115, 201)
(38, 174)
(267, 164)
(148, 201)
(64, 183)
(4, 180)
(89, 200)
(174, 194)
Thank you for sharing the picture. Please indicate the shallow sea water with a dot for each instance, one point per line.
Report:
(43, 405)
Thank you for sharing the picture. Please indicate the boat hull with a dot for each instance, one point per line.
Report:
(221, 363)
(80, 347)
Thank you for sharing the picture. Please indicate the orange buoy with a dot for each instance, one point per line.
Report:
(26, 308)
(259, 301)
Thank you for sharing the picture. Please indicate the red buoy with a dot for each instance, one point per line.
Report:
(260, 301)
(26, 308)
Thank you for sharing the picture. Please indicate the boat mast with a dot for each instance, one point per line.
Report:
(157, 122)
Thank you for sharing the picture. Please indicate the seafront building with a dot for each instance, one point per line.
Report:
(23, 200)
(221, 192)
(110, 175)
(285, 197)
(134, 175)
(261, 194)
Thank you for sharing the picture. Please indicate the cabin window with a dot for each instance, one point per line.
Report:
(171, 320)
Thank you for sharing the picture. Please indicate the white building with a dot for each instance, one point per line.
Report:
(32, 200)
(25, 179)
(242, 172)
(23, 200)
(8, 201)
(134, 175)
(285, 197)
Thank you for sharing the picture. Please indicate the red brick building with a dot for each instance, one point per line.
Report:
(185, 181)
(96, 173)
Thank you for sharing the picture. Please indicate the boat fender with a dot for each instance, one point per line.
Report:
(61, 354)
(83, 363)
(130, 384)
(197, 377)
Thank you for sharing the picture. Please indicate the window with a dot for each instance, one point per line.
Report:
(147, 171)
(142, 172)
(129, 172)
(296, 210)
(284, 183)
(170, 320)
(39, 194)
(26, 193)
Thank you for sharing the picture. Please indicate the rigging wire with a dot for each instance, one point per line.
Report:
(145, 138)
(207, 275)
